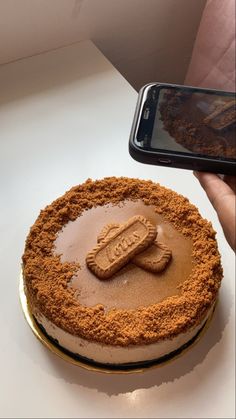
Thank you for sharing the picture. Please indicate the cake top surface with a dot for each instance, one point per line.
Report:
(134, 285)
(47, 275)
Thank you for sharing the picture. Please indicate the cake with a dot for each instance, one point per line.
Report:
(201, 123)
(121, 271)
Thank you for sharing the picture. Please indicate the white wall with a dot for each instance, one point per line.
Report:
(145, 39)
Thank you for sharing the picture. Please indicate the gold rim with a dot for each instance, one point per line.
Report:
(90, 367)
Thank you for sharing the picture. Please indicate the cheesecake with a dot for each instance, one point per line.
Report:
(121, 272)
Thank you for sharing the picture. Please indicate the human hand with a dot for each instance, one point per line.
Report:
(222, 195)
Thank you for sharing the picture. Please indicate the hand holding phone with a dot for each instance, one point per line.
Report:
(185, 127)
(222, 195)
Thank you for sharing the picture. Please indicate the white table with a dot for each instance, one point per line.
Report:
(66, 116)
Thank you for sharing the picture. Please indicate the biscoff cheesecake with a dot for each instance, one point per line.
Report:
(121, 271)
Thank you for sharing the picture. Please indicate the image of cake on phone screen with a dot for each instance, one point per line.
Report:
(196, 122)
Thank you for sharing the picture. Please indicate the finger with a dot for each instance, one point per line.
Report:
(231, 181)
(216, 189)
(223, 200)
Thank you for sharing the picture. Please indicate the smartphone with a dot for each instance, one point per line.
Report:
(185, 127)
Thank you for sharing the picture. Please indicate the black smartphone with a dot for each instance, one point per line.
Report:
(185, 127)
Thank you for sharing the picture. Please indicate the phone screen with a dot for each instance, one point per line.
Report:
(189, 121)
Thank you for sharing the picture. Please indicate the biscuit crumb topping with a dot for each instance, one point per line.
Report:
(46, 277)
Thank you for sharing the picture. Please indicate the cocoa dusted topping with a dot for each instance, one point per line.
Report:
(46, 277)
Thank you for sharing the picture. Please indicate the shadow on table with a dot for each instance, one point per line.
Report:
(113, 384)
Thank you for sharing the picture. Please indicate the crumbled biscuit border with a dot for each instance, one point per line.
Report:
(46, 278)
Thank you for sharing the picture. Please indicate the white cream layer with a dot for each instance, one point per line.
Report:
(108, 354)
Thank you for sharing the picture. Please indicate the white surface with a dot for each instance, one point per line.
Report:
(135, 34)
(66, 116)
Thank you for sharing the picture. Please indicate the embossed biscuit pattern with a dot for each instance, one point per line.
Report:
(154, 259)
(112, 253)
(108, 231)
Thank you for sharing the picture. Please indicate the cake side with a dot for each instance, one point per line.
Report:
(116, 354)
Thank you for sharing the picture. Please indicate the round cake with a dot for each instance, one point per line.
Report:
(121, 271)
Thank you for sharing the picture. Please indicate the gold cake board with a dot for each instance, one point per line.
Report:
(89, 365)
